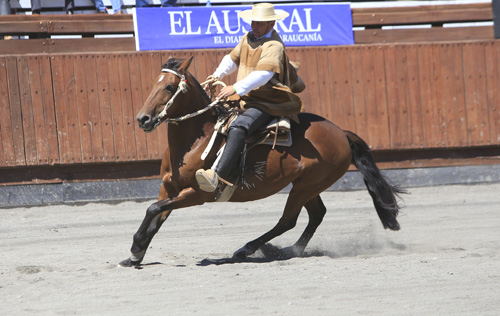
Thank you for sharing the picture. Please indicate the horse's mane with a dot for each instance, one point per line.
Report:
(174, 64)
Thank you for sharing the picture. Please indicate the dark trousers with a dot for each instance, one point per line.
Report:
(69, 5)
(246, 124)
(36, 5)
(5, 7)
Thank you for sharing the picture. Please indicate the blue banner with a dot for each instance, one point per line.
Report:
(220, 27)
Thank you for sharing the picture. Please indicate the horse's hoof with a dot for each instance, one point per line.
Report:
(292, 252)
(242, 253)
(128, 263)
(239, 256)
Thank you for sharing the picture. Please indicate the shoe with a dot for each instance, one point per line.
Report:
(36, 12)
(70, 12)
(102, 11)
(119, 12)
(207, 180)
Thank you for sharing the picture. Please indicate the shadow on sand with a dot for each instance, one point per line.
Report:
(270, 253)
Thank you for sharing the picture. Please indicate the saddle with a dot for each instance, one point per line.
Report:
(276, 133)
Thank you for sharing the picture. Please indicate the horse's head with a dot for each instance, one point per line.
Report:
(169, 85)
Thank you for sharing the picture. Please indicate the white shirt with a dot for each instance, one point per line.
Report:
(254, 80)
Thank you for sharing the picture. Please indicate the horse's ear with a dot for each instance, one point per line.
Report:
(185, 65)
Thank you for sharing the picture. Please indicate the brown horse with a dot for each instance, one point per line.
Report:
(320, 155)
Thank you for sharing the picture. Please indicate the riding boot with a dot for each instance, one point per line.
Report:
(235, 144)
(208, 180)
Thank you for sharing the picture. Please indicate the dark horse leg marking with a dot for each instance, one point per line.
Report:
(287, 221)
(156, 215)
(316, 210)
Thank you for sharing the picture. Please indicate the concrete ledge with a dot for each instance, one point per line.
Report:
(120, 190)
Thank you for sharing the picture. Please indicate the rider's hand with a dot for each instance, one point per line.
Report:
(226, 92)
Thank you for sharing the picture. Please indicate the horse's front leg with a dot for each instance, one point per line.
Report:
(156, 214)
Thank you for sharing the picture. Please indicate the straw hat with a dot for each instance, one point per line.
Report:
(263, 12)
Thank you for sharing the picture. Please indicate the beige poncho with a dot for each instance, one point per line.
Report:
(275, 97)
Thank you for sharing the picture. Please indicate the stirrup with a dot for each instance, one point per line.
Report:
(209, 180)
(224, 181)
(222, 185)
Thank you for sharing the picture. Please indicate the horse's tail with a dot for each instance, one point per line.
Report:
(383, 194)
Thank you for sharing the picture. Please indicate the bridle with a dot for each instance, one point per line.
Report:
(182, 87)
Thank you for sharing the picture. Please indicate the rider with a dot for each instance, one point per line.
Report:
(263, 84)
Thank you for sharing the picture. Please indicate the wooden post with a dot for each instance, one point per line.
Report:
(496, 17)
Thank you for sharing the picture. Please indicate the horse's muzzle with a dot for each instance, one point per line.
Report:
(147, 123)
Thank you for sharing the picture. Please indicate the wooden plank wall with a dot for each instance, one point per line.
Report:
(408, 96)
(80, 108)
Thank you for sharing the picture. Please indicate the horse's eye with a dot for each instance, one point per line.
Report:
(170, 88)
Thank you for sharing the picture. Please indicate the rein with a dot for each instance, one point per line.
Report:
(182, 87)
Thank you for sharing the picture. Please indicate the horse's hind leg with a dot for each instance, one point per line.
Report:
(316, 210)
(288, 220)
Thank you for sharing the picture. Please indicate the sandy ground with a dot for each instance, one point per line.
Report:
(62, 260)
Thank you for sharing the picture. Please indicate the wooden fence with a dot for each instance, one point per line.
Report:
(80, 108)
(68, 106)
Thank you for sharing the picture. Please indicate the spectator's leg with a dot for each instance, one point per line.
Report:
(5, 7)
(69, 6)
(5, 10)
(141, 3)
(168, 3)
(36, 6)
(100, 7)
(117, 6)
